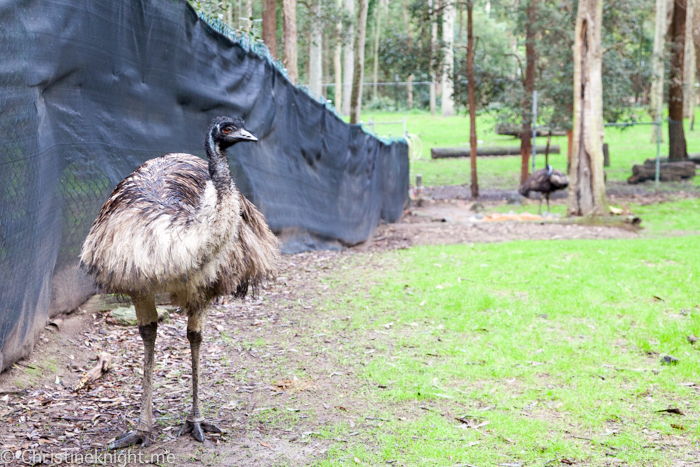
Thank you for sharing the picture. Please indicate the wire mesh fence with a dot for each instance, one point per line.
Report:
(499, 161)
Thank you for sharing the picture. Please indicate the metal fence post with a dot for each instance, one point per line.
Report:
(658, 152)
(534, 128)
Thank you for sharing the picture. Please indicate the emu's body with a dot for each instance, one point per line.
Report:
(545, 181)
(178, 225)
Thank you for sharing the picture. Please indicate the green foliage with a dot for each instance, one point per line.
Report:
(493, 71)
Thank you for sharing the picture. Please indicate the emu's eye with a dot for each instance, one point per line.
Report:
(227, 130)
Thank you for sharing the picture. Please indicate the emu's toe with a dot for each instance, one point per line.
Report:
(197, 429)
(131, 438)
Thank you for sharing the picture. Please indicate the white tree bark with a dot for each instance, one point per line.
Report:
(656, 97)
(587, 184)
(248, 14)
(696, 41)
(316, 51)
(448, 31)
(337, 65)
(433, 91)
(375, 73)
(348, 59)
(689, 63)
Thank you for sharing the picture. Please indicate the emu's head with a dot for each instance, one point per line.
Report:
(227, 131)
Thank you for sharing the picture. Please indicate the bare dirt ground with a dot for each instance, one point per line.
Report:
(273, 375)
(451, 221)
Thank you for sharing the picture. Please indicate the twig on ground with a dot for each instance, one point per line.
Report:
(103, 364)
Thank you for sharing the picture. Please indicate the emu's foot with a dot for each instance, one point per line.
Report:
(198, 429)
(130, 438)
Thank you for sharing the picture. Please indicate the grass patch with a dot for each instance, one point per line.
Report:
(557, 345)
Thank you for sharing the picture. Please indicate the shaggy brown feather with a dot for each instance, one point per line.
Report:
(171, 188)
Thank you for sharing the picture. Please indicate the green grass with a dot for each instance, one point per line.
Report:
(627, 147)
(679, 216)
(557, 345)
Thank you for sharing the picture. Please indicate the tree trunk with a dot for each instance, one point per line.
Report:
(337, 67)
(358, 75)
(289, 16)
(472, 101)
(689, 64)
(269, 26)
(529, 87)
(316, 51)
(676, 135)
(569, 149)
(229, 14)
(448, 31)
(348, 59)
(407, 20)
(248, 15)
(696, 42)
(587, 184)
(375, 74)
(657, 81)
(434, 34)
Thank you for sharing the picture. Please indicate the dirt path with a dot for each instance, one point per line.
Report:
(266, 380)
(451, 221)
(276, 369)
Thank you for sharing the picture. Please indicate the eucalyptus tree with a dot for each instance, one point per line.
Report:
(676, 133)
(587, 187)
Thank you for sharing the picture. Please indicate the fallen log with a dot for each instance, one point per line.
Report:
(516, 130)
(440, 153)
(695, 158)
(627, 222)
(669, 172)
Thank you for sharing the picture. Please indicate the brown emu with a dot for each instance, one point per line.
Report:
(545, 181)
(178, 225)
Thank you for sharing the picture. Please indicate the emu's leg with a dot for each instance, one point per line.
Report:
(147, 319)
(548, 210)
(195, 423)
(539, 210)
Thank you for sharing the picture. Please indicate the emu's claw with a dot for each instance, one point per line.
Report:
(198, 429)
(130, 438)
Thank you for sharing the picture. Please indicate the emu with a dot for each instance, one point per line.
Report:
(179, 225)
(545, 181)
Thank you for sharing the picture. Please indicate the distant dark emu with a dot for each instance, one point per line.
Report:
(178, 225)
(545, 181)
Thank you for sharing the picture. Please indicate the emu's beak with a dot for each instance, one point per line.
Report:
(243, 135)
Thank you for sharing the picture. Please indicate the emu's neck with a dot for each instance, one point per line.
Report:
(218, 165)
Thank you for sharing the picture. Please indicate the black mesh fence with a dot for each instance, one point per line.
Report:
(90, 89)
